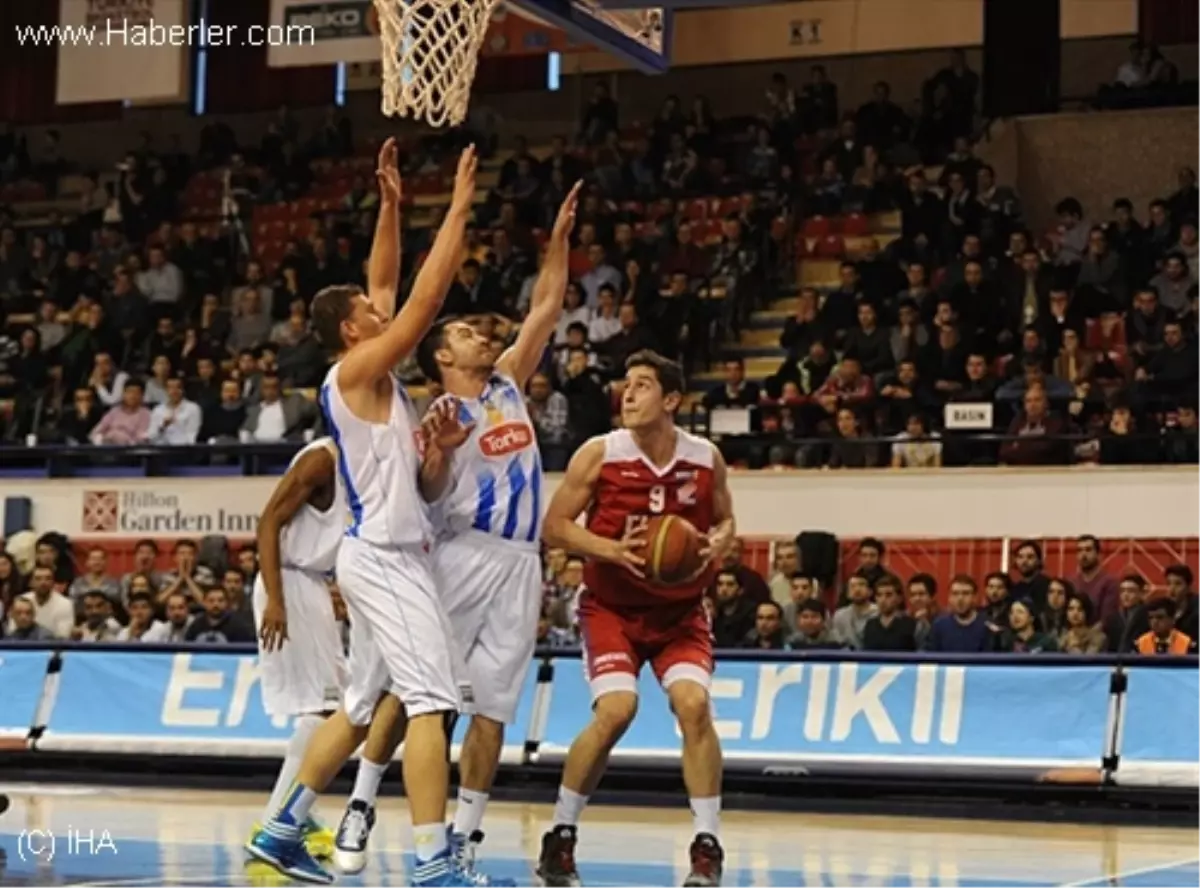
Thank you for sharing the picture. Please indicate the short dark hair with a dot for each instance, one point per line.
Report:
(1068, 206)
(135, 382)
(185, 544)
(1123, 203)
(926, 580)
(965, 580)
(1160, 604)
(141, 596)
(872, 543)
(1002, 577)
(772, 603)
(669, 373)
(427, 350)
(1182, 571)
(1089, 538)
(330, 308)
(726, 572)
(887, 581)
(1136, 578)
(811, 606)
(94, 593)
(1031, 544)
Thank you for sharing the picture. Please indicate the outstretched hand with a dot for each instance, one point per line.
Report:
(564, 223)
(464, 181)
(387, 171)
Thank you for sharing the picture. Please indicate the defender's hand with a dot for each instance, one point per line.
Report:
(388, 173)
(442, 426)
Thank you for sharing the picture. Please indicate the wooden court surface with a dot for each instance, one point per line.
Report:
(134, 836)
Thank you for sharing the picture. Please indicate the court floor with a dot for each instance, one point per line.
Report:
(63, 835)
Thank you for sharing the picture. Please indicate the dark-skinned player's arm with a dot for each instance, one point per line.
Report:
(444, 432)
(546, 305)
(561, 528)
(383, 268)
(724, 529)
(375, 358)
(311, 472)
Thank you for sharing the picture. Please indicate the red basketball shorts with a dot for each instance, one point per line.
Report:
(675, 640)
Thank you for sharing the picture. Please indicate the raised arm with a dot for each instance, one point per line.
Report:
(383, 268)
(376, 357)
(561, 528)
(311, 472)
(545, 307)
(444, 432)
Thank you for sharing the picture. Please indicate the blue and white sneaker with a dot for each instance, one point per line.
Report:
(354, 832)
(463, 849)
(282, 846)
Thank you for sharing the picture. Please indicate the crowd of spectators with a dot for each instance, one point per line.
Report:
(205, 597)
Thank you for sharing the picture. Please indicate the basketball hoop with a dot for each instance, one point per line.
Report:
(430, 48)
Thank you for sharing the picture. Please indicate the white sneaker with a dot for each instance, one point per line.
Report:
(354, 832)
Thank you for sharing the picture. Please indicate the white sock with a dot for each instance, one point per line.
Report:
(305, 727)
(429, 840)
(366, 782)
(294, 808)
(568, 807)
(706, 814)
(469, 814)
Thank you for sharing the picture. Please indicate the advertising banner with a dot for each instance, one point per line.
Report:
(818, 714)
(1161, 721)
(1155, 502)
(118, 50)
(323, 33)
(22, 679)
(183, 704)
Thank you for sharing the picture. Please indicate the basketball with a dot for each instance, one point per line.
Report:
(672, 549)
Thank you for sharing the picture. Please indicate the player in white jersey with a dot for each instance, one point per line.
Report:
(483, 475)
(302, 667)
(400, 637)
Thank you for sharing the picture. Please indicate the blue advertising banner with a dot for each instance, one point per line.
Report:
(22, 678)
(975, 716)
(183, 702)
(1162, 716)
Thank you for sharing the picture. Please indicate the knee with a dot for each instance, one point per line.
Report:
(614, 713)
(693, 711)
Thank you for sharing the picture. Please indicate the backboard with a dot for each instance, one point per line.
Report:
(640, 36)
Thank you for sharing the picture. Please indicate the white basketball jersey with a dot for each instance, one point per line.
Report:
(378, 463)
(310, 540)
(497, 473)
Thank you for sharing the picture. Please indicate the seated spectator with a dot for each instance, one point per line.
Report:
(1035, 431)
(126, 424)
(251, 323)
(98, 621)
(1022, 635)
(222, 422)
(1121, 444)
(847, 386)
(890, 629)
(735, 392)
(996, 589)
(808, 373)
(1104, 269)
(604, 323)
(869, 343)
(177, 421)
(785, 565)
(849, 622)
(1175, 284)
(1082, 635)
(156, 382)
(52, 610)
(1163, 637)
(106, 380)
(218, 624)
(173, 630)
(188, 578)
(767, 633)
(23, 625)
(1171, 372)
(1129, 623)
(277, 417)
(922, 606)
(909, 336)
(162, 282)
(964, 630)
(1093, 580)
(1179, 589)
(1054, 617)
(95, 578)
(917, 447)
(810, 632)
(1074, 365)
(734, 615)
(550, 413)
(1032, 583)
(801, 590)
(849, 450)
(145, 554)
(751, 581)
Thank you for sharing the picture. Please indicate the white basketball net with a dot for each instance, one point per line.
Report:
(430, 48)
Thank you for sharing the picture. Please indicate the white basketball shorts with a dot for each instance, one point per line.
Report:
(399, 636)
(493, 595)
(307, 675)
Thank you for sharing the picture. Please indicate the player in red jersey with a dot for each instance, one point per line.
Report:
(648, 468)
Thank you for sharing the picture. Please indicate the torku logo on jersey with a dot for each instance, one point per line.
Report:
(507, 438)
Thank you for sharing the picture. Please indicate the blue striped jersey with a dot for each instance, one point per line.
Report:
(378, 463)
(496, 485)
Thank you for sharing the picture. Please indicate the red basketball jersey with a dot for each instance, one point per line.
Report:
(629, 491)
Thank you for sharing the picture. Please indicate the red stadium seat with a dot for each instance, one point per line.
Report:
(696, 210)
(856, 225)
(831, 247)
(817, 227)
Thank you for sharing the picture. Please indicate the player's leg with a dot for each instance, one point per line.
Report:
(496, 666)
(414, 638)
(612, 664)
(387, 730)
(684, 666)
(303, 679)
